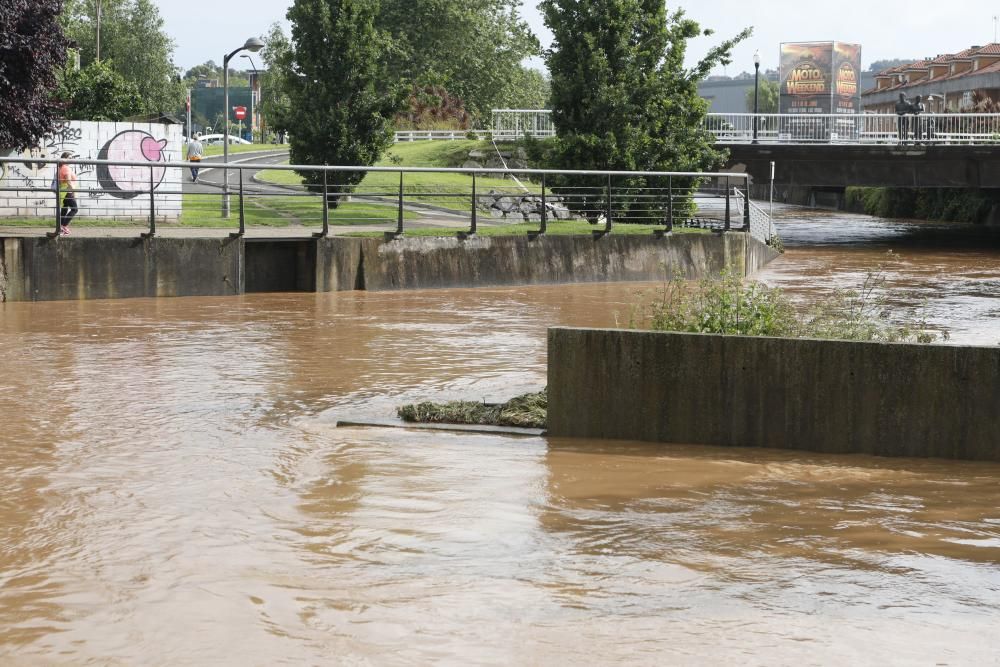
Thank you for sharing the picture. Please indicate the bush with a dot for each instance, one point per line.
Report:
(731, 306)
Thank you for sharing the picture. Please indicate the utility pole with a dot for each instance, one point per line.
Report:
(98, 30)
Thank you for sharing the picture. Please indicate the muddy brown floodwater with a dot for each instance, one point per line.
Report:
(173, 492)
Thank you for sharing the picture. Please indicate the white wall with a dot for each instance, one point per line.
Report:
(116, 193)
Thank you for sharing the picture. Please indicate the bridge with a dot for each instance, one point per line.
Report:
(836, 151)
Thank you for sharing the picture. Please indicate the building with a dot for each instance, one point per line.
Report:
(946, 83)
(729, 95)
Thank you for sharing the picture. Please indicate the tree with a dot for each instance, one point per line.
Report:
(341, 99)
(472, 48)
(32, 50)
(134, 43)
(275, 105)
(622, 98)
(889, 63)
(97, 92)
(530, 89)
(767, 97)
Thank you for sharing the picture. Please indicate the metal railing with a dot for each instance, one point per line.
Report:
(508, 125)
(388, 199)
(927, 128)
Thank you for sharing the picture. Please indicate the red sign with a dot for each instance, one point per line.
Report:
(240, 112)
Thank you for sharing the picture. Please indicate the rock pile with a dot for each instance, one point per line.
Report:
(516, 208)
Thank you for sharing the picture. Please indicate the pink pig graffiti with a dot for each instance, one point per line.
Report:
(127, 182)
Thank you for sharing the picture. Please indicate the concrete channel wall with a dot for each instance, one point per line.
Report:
(43, 269)
(823, 396)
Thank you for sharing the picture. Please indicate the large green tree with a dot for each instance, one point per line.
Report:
(32, 51)
(97, 92)
(768, 96)
(472, 48)
(275, 105)
(622, 97)
(134, 44)
(341, 99)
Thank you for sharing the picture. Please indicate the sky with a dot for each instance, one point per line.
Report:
(207, 29)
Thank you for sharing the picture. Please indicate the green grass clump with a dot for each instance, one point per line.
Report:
(731, 306)
(527, 411)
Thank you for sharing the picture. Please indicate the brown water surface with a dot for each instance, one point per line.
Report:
(173, 491)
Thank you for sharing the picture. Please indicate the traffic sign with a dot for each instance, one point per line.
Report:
(240, 112)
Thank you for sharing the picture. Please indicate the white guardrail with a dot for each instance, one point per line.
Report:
(927, 128)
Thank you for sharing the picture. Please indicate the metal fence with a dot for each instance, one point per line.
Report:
(953, 128)
(387, 199)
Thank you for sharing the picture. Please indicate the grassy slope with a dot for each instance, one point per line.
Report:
(453, 191)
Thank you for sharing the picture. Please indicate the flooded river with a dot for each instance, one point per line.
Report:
(173, 492)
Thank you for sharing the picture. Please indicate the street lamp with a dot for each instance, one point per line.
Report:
(252, 45)
(255, 103)
(756, 89)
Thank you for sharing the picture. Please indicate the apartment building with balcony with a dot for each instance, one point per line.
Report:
(946, 83)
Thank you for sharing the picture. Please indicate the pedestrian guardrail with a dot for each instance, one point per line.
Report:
(387, 199)
(926, 128)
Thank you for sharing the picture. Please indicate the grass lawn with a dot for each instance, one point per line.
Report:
(554, 228)
(212, 151)
(206, 211)
(451, 191)
(280, 211)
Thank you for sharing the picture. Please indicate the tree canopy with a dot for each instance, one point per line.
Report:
(768, 97)
(134, 44)
(472, 48)
(341, 99)
(622, 98)
(97, 92)
(33, 49)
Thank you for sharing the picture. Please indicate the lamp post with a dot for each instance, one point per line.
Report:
(253, 45)
(756, 90)
(255, 102)
(98, 40)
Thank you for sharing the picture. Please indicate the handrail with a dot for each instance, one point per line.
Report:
(661, 200)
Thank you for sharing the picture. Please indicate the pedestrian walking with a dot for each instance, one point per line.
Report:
(195, 152)
(67, 181)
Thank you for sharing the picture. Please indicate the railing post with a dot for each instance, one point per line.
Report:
(392, 236)
(243, 219)
(326, 203)
(58, 191)
(727, 205)
(607, 214)
(746, 206)
(472, 227)
(152, 208)
(534, 234)
(670, 204)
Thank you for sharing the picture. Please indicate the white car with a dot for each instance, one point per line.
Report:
(216, 140)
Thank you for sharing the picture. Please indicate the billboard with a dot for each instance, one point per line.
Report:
(819, 79)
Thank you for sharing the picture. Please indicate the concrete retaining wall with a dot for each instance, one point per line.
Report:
(40, 269)
(414, 263)
(93, 268)
(823, 396)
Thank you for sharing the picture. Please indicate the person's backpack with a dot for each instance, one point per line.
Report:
(54, 185)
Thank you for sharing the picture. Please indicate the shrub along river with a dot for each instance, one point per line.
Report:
(173, 490)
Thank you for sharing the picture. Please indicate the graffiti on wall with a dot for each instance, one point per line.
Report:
(119, 182)
(131, 146)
